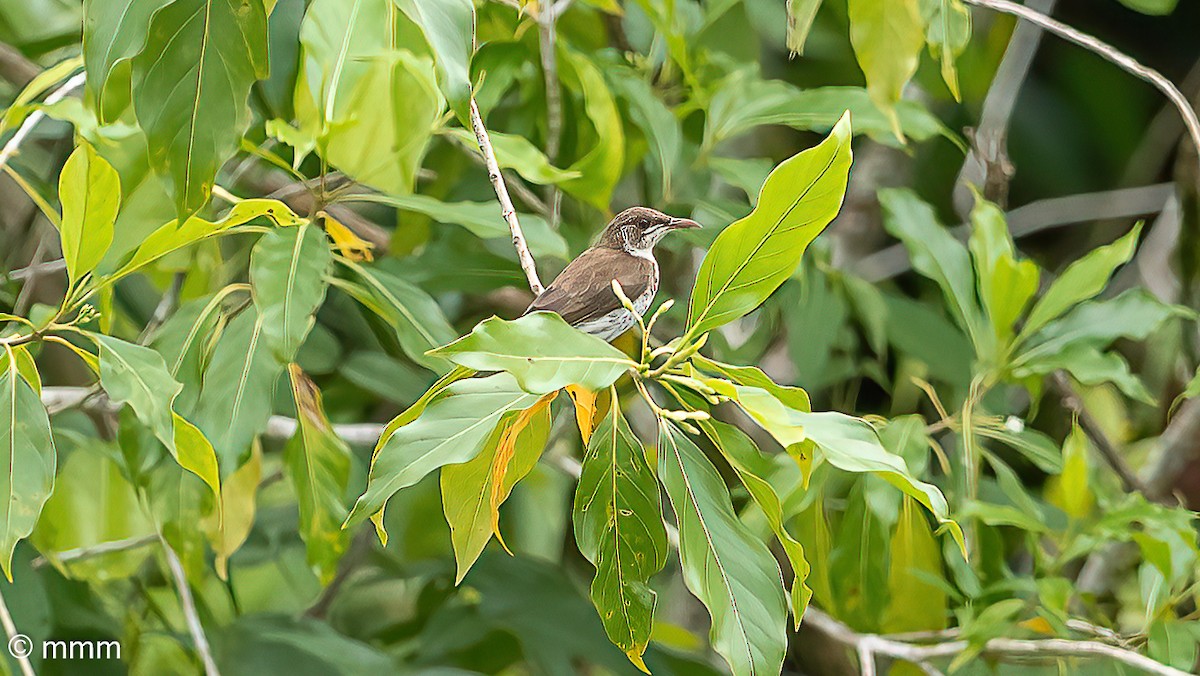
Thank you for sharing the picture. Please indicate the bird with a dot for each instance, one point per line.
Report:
(583, 293)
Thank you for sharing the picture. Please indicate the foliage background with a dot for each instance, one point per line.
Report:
(347, 107)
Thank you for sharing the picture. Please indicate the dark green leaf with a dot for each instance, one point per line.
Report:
(288, 269)
(25, 439)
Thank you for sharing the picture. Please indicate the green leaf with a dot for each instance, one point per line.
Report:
(90, 192)
(915, 603)
(172, 236)
(239, 386)
(452, 429)
(113, 33)
(26, 366)
(619, 528)
(1090, 366)
(1070, 491)
(1152, 7)
(1135, 314)
(138, 376)
(1005, 284)
(937, 255)
(800, 15)
(847, 443)
(449, 28)
(318, 463)
(541, 351)
(191, 84)
(483, 219)
(413, 314)
(751, 466)
(518, 153)
(288, 270)
(657, 122)
(25, 438)
(1192, 389)
(601, 167)
(1081, 280)
(228, 530)
(752, 257)
(472, 492)
(887, 36)
(724, 565)
(947, 32)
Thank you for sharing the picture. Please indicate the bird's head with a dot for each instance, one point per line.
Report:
(638, 229)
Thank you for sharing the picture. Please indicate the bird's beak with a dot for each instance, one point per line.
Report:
(683, 223)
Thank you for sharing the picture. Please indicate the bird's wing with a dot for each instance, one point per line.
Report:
(583, 291)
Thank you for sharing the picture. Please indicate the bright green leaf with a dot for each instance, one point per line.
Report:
(724, 565)
(541, 351)
(1070, 490)
(449, 28)
(601, 167)
(1005, 284)
(800, 14)
(519, 154)
(752, 257)
(90, 192)
(915, 603)
(948, 30)
(887, 36)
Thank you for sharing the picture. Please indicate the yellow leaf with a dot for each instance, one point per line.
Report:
(499, 488)
(238, 507)
(349, 244)
(1039, 625)
(585, 410)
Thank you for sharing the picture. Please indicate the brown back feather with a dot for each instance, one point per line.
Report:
(583, 291)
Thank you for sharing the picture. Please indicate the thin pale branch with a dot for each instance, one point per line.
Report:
(35, 118)
(506, 206)
(84, 553)
(15, 644)
(1108, 451)
(1110, 53)
(188, 606)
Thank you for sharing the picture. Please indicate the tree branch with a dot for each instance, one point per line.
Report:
(188, 605)
(1108, 452)
(1110, 53)
(506, 206)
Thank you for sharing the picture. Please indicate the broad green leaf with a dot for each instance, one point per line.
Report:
(1089, 366)
(800, 15)
(1081, 280)
(449, 28)
(93, 504)
(138, 376)
(1005, 284)
(519, 154)
(239, 387)
(90, 192)
(415, 316)
(747, 460)
(483, 219)
(887, 36)
(473, 491)
(541, 351)
(658, 123)
(114, 31)
(1038, 448)
(288, 268)
(794, 397)
(1070, 490)
(409, 415)
(26, 366)
(937, 255)
(601, 167)
(452, 429)
(26, 441)
(915, 602)
(744, 101)
(191, 84)
(1152, 7)
(318, 463)
(724, 565)
(618, 526)
(752, 257)
(1135, 314)
(847, 443)
(229, 530)
(172, 236)
(947, 32)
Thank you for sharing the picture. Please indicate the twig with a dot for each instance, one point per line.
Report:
(1110, 53)
(999, 647)
(188, 606)
(1108, 452)
(15, 67)
(547, 37)
(506, 206)
(83, 553)
(359, 548)
(15, 644)
(36, 117)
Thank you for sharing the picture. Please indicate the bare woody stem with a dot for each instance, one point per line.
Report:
(1126, 62)
(10, 629)
(506, 206)
(188, 605)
